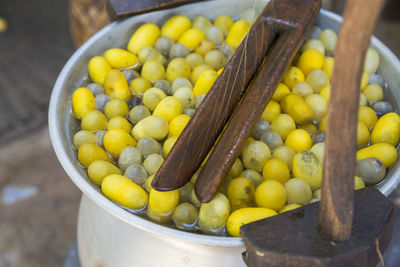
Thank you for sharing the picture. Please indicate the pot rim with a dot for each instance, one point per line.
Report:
(88, 189)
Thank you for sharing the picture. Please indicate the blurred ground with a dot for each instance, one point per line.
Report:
(36, 231)
(38, 203)
(33, 50)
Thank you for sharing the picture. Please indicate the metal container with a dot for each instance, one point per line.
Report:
(111, 236)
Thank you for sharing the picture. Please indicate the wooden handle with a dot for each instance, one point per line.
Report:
(257, 97)
(337, 196)
(119, 9)
(199, 135)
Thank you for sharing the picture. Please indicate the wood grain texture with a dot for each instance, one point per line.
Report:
(120, 9)
(233, 138)
(206, 124)
(336, 211)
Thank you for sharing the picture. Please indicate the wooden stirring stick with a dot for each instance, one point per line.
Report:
(254, 102)
(199, 135)
(197, 139)
(295, 238)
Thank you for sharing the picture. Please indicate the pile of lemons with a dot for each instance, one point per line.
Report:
(141, 98)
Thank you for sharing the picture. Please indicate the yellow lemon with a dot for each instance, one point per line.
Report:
(116, 140)
(240, 193)
(310, 60)
(176, 26)
(205, 82)
(298, 109)
(364, 80)
(83, 101)
(358, 183)
(298, 140)
(368, 116)
(362, 135)
(289, 207)
(98, 69)
(272, 110)
(292, 76)
(244, 216)
(276, 169)
(204, 47)
(99, 169)
(169, 108)
(323, 123)
(328, 66)
(237, 32)
(281, 91)
(307, 166)
(387, 130)
(177, 124)
(326, 93)
(283, 124)
(116, 85)
(162, 204)
(385, 152)
(145, 35)
(271, 194)
(123, 191)
(191, 38)
(168, 144)
(88, 153)
(120, 58)
(152, 126)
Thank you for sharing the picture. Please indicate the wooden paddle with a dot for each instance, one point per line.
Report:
(277, 32)
(297, 20)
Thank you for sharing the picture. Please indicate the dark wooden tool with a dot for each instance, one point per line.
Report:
(120, 9)
(283, 22)
(296, 238)
(298, 19)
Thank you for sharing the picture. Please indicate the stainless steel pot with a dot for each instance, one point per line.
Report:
(111, 236)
